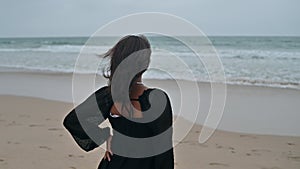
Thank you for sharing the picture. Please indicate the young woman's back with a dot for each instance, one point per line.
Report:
(141, 117)
(128, 154)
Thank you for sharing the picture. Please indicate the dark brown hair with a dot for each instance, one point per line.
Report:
(126, 47)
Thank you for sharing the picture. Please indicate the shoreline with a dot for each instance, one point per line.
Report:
(248, 109)
(281, 85)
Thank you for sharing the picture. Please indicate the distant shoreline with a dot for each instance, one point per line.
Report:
(282, 85)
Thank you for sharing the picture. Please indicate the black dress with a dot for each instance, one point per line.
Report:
(154, 154)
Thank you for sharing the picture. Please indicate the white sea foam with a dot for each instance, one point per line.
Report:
(266, 61)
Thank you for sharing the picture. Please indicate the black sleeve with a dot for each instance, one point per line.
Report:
(82, 122)
(163, 124)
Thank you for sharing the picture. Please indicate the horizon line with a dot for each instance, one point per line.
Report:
(87, 36)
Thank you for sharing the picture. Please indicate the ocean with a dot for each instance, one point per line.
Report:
(263, 61)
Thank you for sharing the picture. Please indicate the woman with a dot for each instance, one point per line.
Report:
(141, 117)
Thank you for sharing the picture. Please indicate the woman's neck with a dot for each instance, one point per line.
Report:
(139, 79)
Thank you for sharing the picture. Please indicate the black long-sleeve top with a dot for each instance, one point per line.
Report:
(156, 124)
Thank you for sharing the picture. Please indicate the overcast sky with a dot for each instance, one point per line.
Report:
(23, 18)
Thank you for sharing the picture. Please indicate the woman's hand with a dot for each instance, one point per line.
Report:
(108, 151)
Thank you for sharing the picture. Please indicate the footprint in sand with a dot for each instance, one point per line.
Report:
(55, 129)
(259, 151)
(290, 144)
(232, 150)
(72, 167)
(35, 125)
(270, 168)
(3, 162)
(79, 156)
(219, 146)
(295, 158)
(13, 123)
(249, 136)
(219, 164)
(45, 147)
(10, 142)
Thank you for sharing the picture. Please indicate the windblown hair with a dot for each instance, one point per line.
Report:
(134, 46)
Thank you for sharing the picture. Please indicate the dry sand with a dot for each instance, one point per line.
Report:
(32, 136)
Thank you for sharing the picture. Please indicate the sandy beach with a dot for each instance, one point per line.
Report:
(259, 128)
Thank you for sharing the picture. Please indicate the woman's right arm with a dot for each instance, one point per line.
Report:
(82, 122)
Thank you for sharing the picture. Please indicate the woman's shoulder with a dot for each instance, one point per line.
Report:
(103, 89)
(147, 90)
(104, 99)
(155, 92)
(154, 95)
(103, 92)
(149, 93)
